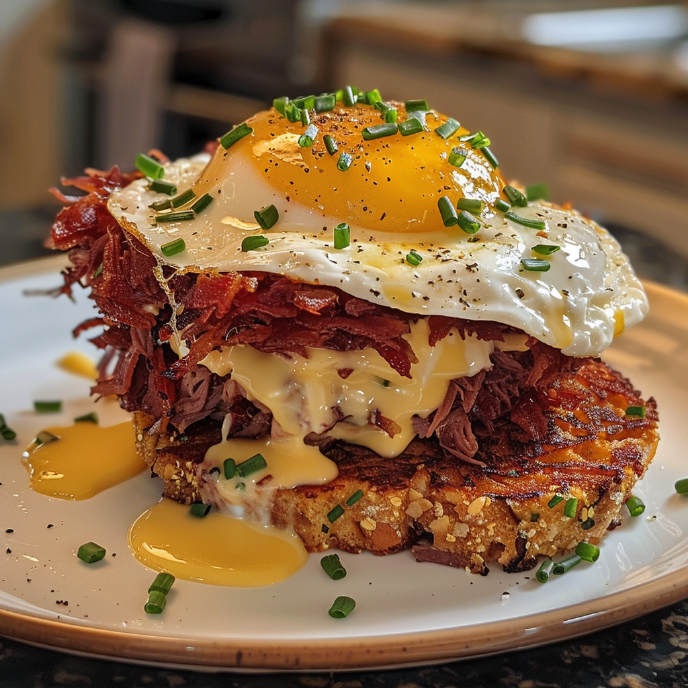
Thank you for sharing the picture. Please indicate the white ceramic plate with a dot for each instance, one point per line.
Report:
(406, 612)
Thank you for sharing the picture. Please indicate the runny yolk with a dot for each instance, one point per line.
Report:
(85, 460)
(216, 549)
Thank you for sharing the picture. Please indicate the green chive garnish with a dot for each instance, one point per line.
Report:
(47, 406)
(348, 96)
(149, 166)
(377, 131)
(545, 249)
(344, 162)
(362, 97)
(177, 216)
(160, 186)
(554, 501)
(355, 497)
(535, 265)
(534, 517)
(448, 212)
(202, 203)
(163, 583)
(526, 222)
(325, 102)
(472, 205)
(535, 192)
(542, 574)
(341, 607)
(494, 163)
(571, 507)
(635, 505)
(333, 567)
(502, 206)
(199, 509)
(306, 139)
(342, 235)
(280, 104)
(305, 118)
(229, 468)
(637, 411)
(333, 515)
(417, 106)
(681, 486)
(410, 126)
(468, 223)
(164, 204)
(325, 529)
(99, 271)
(173, 247)
(412, 258)
(251, 243)
(266, 217)
(373, 97)
(234, 135)
(587, 551)
(448, 129)
(156, 603)
(457, 156)
(183, 198)
(292, 112)
(330, 144)
(87, 418)
(515, 196)
(307, 102)
(477, 140)
(250, 466)
(391, 115)
(90, 552)
(6, 432)
(566, 564)
(43, 437)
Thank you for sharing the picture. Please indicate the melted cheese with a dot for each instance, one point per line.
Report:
(85, 460)
(216, 549)
(78, 363)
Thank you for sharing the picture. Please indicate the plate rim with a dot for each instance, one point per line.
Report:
(361, 652)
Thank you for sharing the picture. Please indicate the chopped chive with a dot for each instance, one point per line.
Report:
(635, 505)
(163, 204)
(391, 115)
(448, 129)
(587, 551)
(292, 112)
(348, 96)
(99, 271)
(333, 515)
(472, 205)
(342, 235)
(43, 437)
(156, 602)
(410, 126)
(554, 501)
(355, 497)
(457, 156)
(342, 607)
(362, 97)
(149, 166)
(90, 552)
(489, 155)
(47, 406)
(234, 135)
(544, 571)
(535, 265)
(344, 162)
(6, 432)
(566, 564)
(202, 203)
(163, 583)
(502, 206)
(325, 102)
(515, 197)
(305, 118)
(256, 463)
(468, 223)
(526, 222)
(333, 567)
(571, 507)
(412, 258)
(373, 97)
(325, 529)
(173, 247)
(199, 509)
(477, 140)
(307, 102)
(383, 381)
(535, 192)
(280, 104)
(681, 486)
(637, 411)
(251, 243)
(448, 212)
(545, 249)
(330, 144)
(161, 186)
(87, 418)
(377, 131)
(183, 198)
(306, 139)
(587, 524)
(177, 216)
(229, 468)
(416, 106)
(266, 217)
(534, 517)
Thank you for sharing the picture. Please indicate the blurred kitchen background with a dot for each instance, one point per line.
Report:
(590, 97)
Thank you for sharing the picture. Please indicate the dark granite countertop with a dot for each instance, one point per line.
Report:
(645, 653)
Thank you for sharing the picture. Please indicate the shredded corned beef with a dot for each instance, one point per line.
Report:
(273, 314)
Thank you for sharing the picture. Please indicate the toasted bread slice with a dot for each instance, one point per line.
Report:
(591, 451)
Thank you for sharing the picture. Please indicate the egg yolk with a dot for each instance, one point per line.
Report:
(393, 183)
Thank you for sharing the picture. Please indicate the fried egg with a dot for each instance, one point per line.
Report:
(388, 196)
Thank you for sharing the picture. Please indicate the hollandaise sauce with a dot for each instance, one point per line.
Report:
(83, 459)
(217, 549)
